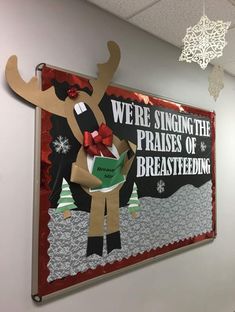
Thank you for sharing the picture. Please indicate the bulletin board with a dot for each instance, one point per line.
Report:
(165, 197)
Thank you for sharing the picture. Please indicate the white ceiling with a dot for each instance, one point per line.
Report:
(168, 19)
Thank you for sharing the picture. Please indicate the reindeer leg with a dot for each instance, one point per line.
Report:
(96, 226)
(113, 232)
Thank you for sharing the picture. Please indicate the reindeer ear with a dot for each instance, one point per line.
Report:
(31, 92)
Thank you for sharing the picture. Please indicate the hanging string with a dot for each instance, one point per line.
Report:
(39, 67)
(203, 10)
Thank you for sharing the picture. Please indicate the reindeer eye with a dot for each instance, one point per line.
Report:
(80, 108)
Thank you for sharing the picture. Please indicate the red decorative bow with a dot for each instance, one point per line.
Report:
(95, 143)
(73, 93)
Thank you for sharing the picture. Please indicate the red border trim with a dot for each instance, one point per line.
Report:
(45, 288)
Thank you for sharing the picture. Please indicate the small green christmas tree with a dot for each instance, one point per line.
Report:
(133, 204)
(66, 202)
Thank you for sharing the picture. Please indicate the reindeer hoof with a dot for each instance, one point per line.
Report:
(95, 245)
(113, 241)
(83, 177)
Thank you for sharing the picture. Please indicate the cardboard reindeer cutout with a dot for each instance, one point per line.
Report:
(96, 139)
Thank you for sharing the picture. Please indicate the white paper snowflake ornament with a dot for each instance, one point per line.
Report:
(161, 186)
(216, 81)
(61, 145)
(203, 147)
(204, 41)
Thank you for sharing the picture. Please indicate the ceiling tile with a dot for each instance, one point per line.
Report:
(123, 8)
(227, 60)
(168, 19)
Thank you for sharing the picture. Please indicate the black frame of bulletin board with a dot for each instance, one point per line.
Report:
(36, 294)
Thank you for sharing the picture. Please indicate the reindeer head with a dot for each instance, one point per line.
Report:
(72, 109)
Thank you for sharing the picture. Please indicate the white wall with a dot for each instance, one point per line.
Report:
(73, 34)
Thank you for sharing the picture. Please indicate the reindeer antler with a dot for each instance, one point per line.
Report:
(48, 99)
(105, 72)
(31, 92)
(99, 85)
